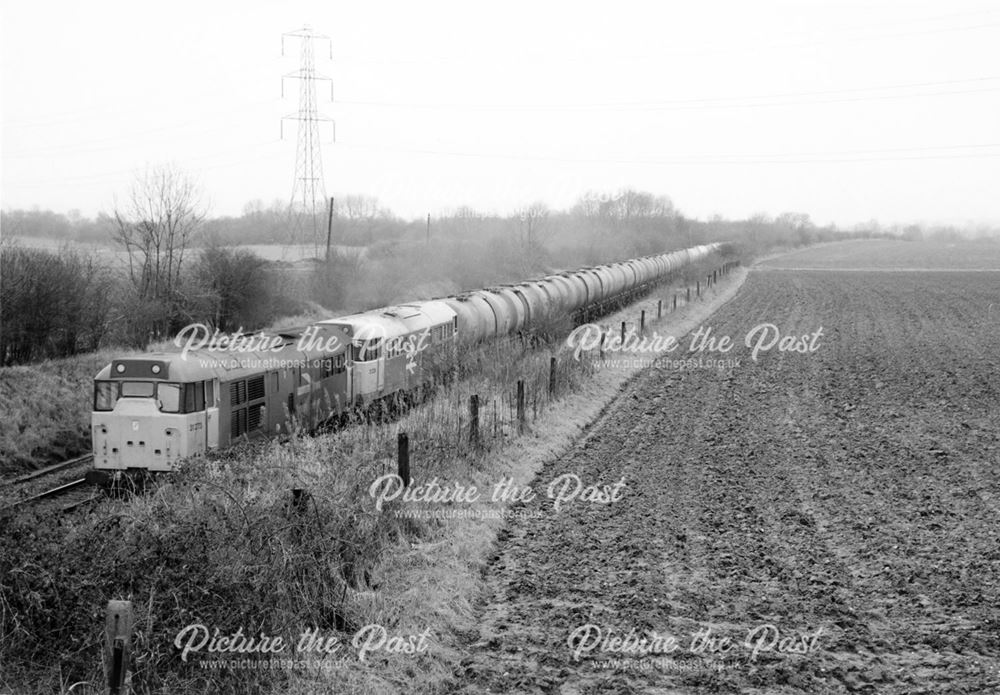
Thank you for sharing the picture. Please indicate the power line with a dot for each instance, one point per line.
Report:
(823, 35)
(169, 99)
(726, 159)
(101, 176)
(703, 102)
(84, 146)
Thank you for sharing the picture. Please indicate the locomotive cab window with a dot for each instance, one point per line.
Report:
(137, 389)
(366, 351)
(168, 398)
(333, 365)
(194, 397)
(105, 395)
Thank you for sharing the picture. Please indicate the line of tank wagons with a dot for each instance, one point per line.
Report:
(154, 409)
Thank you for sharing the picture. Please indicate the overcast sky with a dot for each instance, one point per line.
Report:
(847, 111)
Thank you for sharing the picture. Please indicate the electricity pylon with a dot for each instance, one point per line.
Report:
(308, 189)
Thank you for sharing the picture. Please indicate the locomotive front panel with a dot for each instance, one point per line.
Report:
(143, 420)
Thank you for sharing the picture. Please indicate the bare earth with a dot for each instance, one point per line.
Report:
(847, 497)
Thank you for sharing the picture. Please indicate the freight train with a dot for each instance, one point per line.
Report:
(152, 410)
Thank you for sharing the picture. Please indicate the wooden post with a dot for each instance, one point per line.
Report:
(474, 419)
(118, 622)
(675, 301)
(623, 332)
(689, 295)
(552, 376)
(698, 287)
(403, 457)
(659, 308)
(642, 322)
(520, 405)
(604, 335)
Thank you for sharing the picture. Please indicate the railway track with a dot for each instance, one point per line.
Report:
(60, 490)
(50, 470)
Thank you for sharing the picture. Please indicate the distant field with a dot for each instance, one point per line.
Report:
(275, 252)
(270, 252)
(870, 254)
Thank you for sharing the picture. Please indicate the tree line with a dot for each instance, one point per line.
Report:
(170, 264)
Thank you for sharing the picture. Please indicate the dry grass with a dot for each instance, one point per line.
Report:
(46, 410)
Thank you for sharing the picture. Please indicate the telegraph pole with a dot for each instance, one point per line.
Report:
(308, 189)
(329, 230)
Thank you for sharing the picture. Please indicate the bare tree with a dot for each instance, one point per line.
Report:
(156, 225)
(532, 220)
(625, 207)
(361, 214)
(799, 223)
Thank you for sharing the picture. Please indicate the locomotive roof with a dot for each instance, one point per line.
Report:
(298, 346)
(396, 321)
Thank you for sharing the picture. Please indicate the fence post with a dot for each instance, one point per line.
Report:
(697, 285)
(552, 376)
(118, 622)
(642, 322)
(689, 295)
(675, 301)
(403, 457)
(604, 334)
(520, 405)
(623, 332)
(474, 420)
(659, 308)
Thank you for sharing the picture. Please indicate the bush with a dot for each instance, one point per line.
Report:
(233, 288)
(220, 545)
(51, 305)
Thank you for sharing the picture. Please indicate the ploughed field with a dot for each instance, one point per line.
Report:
(834, 514)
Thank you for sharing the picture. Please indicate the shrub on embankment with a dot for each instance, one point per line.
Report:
(219, 544)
